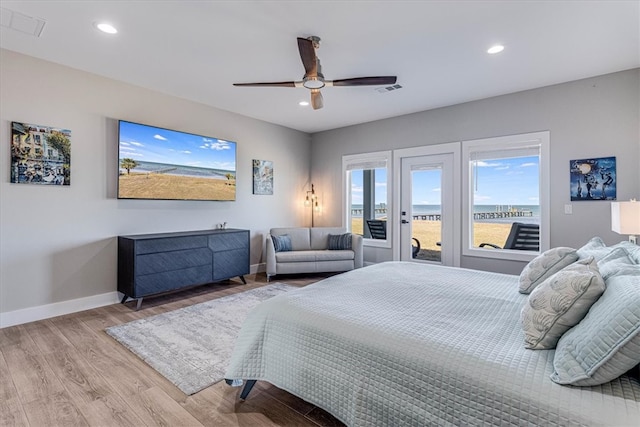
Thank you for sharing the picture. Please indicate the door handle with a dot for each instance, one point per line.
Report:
(404, 221)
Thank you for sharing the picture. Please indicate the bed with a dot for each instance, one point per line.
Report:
(402, 343)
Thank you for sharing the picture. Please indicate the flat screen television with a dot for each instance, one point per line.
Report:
(163, 164)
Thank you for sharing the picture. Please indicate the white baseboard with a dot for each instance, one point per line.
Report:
(32, 314)
(258, 268)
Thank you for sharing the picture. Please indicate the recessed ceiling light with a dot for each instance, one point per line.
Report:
(106, 27)
(303, 103)
(495, 49)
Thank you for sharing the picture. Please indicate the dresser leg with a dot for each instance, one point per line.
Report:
(243, 279)
(139, 304)
(124, 299)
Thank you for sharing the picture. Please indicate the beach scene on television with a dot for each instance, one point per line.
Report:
(157, 163)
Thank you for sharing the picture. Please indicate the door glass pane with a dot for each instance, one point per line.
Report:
(506, 190)
(426, 213)
(368, 199)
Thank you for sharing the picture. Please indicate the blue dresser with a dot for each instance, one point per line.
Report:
(150, 264)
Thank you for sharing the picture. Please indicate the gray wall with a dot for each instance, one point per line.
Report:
(595, 117)
(59, 243)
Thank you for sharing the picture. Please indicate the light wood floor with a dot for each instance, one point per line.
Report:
(66, 371)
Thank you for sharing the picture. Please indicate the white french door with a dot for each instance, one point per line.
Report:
(428, 212)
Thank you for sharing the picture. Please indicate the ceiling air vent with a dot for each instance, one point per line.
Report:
(19, 22)
(388, 88)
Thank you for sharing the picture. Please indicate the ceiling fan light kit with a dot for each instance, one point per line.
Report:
(313, 78)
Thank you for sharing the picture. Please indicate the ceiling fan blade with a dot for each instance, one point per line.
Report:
(366, 81)
(316, 99)
(308, 56)
(275, 84)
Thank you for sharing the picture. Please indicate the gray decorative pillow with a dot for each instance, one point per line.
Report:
(617, 262)
(339, 241)
(281, 243)
(545, 265)
(631, 248)
(595, 248)
(606, 343)
(559, 303)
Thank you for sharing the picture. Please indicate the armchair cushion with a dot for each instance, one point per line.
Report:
(339, 241)
(282, 243)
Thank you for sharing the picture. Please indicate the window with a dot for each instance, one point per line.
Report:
(506, 181)
(367, 179)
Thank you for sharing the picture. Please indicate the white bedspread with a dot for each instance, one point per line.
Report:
(409, 344)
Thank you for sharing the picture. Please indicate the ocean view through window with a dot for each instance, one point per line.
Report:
(506, 182)
(366, 193)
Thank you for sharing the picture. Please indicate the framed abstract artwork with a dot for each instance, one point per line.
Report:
(40, 154)
(262, 177)
(593, 179)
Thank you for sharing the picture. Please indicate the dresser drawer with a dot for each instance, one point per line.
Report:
(148, 246)
(169, 280)
(231, 263)
(174, 260)
(224, 242)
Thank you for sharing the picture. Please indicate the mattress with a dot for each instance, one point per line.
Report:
(403, 343)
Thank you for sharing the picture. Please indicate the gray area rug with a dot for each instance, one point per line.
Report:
(191, 347)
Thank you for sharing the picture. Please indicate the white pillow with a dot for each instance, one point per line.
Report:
(559, 303)
(545, 265)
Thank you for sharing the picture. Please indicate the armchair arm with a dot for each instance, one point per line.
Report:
(356, 246)
(270, 257)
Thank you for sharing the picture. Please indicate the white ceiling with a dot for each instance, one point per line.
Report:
(197, 49)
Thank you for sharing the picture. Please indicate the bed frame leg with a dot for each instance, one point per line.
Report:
(247, 389)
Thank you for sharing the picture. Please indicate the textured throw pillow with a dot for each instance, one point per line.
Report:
(595, 248)
(606, 343)
(617, 262)
(339, 241)
(545, 265)
(559, 303)
(281, 243)
(631, 248)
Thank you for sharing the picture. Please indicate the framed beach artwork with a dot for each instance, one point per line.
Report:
(593, 179)
(262, 177)
(40, 154)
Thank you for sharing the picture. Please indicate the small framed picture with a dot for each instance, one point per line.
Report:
(262, 177)
(40, 154)
(593, 179)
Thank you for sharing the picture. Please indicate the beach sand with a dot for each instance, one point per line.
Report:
(428, 232)
(165, 186)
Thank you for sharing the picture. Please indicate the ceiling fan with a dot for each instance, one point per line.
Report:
(313, 78)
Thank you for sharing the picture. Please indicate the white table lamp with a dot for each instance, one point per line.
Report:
(625, 218)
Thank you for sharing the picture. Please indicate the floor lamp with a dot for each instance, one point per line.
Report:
(625, 218)
(312, 200)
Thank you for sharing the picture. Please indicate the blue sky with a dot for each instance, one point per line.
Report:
(512, 181)
(152, 144)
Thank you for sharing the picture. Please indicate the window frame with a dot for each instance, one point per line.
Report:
(352, 161)
(541, 139)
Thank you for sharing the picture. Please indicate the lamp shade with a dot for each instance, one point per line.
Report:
(625, 217)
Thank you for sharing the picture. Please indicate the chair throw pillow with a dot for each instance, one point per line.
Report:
(606, 343)
(339, 241)
(545, 265)
(281, 243)
(559, 303)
